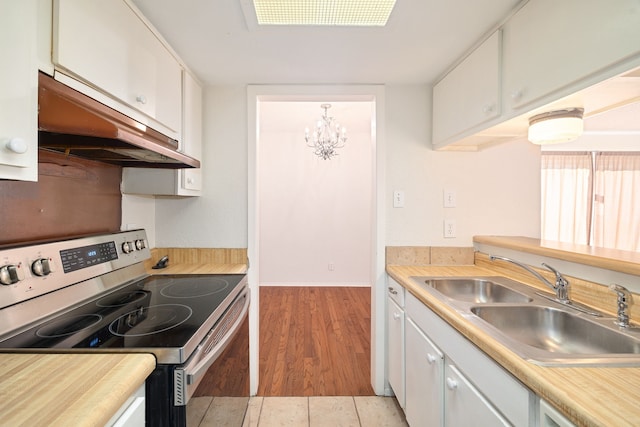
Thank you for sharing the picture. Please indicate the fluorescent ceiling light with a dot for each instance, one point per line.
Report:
(323, 12)
(556, 127)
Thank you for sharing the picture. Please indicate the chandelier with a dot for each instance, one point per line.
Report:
(326, 137)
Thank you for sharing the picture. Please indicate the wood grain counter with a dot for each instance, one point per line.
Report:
(68, 389)
(585, 395)
(610, 259)
(201, 269)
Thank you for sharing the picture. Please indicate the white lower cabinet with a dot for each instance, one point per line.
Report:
(465, 405)
(395, 328)
(424, 364)
(132, 412)
(550, 417)
(464, 386)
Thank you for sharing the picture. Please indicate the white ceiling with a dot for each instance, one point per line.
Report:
(421, 40)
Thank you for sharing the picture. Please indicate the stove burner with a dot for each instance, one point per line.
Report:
(150, 320)
(121, 299)
(68, 325)
(195, 288)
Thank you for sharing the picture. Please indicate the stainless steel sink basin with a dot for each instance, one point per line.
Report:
(476, 290)
(532, 325)
(551, 335)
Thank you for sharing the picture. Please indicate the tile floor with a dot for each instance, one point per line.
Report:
(321, 411)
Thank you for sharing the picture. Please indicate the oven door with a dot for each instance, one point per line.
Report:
(188, 376)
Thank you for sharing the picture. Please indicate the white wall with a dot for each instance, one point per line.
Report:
(498, 189)
(218, 218)
(140, 212)
(314, 212)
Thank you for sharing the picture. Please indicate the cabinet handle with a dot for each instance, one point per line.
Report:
(431, 358)
(396, 316)
(392, 291)
(141, 99)
(16, 145)
(490, 108)
(516, 95)
(451, 383)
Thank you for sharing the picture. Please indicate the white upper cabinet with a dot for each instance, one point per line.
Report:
(175, 182)
(19, 91)
(551, 45)
(470, 94)
(191, 179)
(551, 55)
(108, 46)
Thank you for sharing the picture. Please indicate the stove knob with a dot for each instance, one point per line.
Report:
(41, 267)
(9, 275)
(140, 244)
(127, 247)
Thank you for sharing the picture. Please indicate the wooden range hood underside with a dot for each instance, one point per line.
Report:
(72, 123)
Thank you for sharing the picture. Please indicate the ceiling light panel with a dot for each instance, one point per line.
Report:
(323, 12)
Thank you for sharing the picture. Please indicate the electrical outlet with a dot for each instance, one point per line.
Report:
(449, 228)
(398, 199)
(331, 266)
(449, 200)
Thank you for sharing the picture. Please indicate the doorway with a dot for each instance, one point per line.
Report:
(279, 267)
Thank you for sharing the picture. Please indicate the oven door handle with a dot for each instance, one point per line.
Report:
(208, 353)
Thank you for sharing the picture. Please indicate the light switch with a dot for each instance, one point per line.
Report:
(449, 199)
(398, 199)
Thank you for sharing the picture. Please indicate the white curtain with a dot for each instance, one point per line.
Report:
(566, 197)
(617, 201)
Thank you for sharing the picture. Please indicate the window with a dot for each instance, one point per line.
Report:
(591, 198)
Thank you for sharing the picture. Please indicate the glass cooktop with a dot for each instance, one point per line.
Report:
(162, 311)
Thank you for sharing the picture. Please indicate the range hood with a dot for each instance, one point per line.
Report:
(72, 123)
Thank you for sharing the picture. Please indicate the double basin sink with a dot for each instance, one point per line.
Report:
(532, 326)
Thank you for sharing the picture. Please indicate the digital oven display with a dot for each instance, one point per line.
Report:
(87, 256)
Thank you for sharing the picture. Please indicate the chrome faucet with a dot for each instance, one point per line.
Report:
(561, 287)
(624, 297)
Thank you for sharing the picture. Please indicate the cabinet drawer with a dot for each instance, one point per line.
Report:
(395, 291)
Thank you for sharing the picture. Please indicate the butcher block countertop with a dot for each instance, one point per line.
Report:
(587, 396)
(199, 261)
(68, 389)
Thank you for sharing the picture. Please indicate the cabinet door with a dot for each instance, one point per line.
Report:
(550, 417)
(549, 45)
(191, 179)
(424, 364)
(106, 45)
(395, 345)
(464, 405)
(19, 91)
(470, 94)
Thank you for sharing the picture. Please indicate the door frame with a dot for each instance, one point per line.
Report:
(335, 93)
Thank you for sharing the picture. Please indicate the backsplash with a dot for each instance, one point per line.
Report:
(429, 255)
(72, 197)
(199, 256)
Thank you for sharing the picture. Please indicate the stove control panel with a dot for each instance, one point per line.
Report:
(30, 271)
